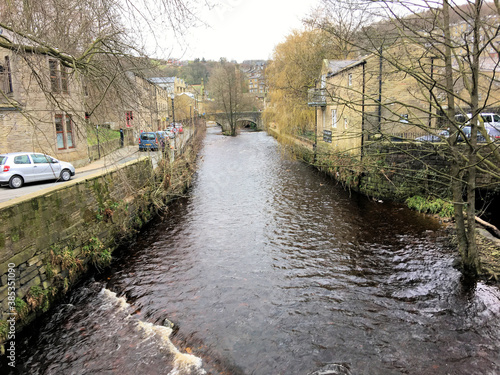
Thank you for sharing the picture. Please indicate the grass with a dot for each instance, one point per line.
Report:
(430, 205)
(105, 135)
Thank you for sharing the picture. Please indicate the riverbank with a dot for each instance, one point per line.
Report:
(51, 240)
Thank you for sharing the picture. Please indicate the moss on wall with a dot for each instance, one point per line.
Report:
(49, 242)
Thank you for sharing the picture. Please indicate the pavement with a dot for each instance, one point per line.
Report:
(117, 157)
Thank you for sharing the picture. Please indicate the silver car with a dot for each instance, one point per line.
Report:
(18, 168)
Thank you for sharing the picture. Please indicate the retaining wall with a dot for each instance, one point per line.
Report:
(394, 171)
(48, 240)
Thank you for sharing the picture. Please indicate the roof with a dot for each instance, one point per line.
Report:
(160, 80)
(335, 66)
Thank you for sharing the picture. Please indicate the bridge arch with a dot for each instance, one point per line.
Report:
(242, 119)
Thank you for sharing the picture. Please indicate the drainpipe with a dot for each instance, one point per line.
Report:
(380, 92)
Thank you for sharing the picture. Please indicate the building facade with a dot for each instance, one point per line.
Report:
(41, 106)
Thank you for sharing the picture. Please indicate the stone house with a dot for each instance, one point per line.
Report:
(357, 100)
(135, 103)
(48, 107)
(41, 106)
(174, 85)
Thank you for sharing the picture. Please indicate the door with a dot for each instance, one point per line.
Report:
(44, 169)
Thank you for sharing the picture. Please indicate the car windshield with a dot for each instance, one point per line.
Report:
(147, 136)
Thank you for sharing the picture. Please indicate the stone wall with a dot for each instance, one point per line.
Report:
(387, 170)
(48, 240)
(105, 148)
(404, 170)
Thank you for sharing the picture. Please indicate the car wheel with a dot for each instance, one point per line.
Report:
(16, 182)
(65, 175)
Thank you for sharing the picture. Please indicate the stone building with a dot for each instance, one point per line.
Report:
(41, 106)
(389, 95)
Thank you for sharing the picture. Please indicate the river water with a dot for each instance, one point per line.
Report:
(267, 267)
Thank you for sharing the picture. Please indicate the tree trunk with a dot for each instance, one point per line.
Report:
(465, 231)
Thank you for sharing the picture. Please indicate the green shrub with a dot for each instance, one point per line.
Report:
(430, 205)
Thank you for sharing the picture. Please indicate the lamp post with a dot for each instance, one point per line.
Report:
(172, 96)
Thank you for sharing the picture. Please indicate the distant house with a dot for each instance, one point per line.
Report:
(171, 84)
(254, 71)
(41, 106)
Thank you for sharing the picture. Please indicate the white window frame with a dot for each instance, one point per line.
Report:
(334, 118)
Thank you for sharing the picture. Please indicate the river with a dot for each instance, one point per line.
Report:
(268, 267)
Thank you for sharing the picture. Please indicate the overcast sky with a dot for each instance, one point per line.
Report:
(245, 29)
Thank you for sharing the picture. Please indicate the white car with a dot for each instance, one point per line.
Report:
(18, 168)
(491, 123)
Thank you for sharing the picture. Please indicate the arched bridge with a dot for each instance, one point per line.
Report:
(243, 119)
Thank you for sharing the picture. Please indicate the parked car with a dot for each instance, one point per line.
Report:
(433, 137)
(18, 168)
(467, 131)
(164, 138)
(170, 131)
(491, 123)
(149, 141)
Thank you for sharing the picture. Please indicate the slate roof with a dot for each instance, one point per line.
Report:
(160, 80)
(335, 66)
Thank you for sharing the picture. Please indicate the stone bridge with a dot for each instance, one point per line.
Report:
(244, 119)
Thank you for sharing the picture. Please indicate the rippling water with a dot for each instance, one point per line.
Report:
(268, 267)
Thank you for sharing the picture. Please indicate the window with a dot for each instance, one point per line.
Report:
(129, 116)
(64, 131)
(6, 76)
(349, 77)
(345, 122)
(58, 77)
(22, 159)
(40, 158)
(69, 132)
(334, 118)
(148, 136)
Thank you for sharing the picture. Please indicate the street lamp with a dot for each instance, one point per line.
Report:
(172, 96)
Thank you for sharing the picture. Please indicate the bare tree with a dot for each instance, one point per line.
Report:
(226, 88)
(99, 45)
(447, 55)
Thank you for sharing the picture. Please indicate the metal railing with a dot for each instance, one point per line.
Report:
(316, 97)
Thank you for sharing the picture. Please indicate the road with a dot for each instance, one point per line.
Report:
(120, 156)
